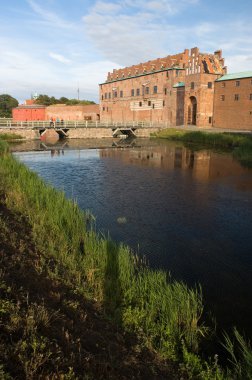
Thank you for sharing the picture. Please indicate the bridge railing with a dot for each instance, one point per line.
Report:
(9, 123)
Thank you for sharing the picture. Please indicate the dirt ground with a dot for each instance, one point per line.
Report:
(48, 331)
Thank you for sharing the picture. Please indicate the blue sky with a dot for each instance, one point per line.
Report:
(55, 46)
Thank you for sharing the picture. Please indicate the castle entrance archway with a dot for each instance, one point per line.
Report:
(192, 111)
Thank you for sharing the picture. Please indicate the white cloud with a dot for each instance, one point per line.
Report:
(237, 63)
(50, 17)
(60, 58)
(25, 74)
(54, 54)
(106, 7)
(134, 31)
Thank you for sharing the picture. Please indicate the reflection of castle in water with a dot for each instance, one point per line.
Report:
(204, 165)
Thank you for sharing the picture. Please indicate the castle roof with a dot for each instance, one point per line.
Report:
(244, 74)
(31, 106)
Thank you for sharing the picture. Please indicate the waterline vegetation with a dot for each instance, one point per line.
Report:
(239, 144)
(165, 315)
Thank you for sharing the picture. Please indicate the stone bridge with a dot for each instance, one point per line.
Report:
(78, 129)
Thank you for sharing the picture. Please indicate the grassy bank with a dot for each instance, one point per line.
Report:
(239, 144)
(10, 136)
(164, 315)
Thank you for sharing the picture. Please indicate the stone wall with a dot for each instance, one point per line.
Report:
(78, 112)
(28, 134)
(146, 98)
(231, 113)
(86, 133)
(75, 133)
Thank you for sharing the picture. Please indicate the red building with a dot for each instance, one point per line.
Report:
(27, 112)
(30, 111)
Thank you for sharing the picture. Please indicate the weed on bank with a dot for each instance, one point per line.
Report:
(164, 314)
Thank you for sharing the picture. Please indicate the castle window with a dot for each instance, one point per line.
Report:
(250, 97)
(149, 103)
(102, 97)
(147, 90)
(165, 91)
(153, 105)
(155, 90)
(222, 98)
(106, 95)
(115, 94)
(121, 94)
(236, 97)
(103, 108)
(138, 91)
(210, 119)
(107, 109)
(210, 84)
(140, 104)
(163, 103)
(109, 95)
(237, 83)
(223, 84)
(192, 85)
(132, 92)
(167, 74)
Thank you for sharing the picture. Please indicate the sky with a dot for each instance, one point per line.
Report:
(54, 47)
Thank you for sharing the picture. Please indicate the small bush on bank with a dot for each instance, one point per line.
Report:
(10, 136)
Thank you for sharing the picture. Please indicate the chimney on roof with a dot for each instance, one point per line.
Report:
(218, 54)
(195, 51)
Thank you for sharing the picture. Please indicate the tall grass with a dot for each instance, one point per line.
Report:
(4, 148)
(145, 301)
(10, 136)
(166, 314)
(240, 353)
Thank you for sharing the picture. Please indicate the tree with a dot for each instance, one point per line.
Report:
(44, 99)
(47, 101)
(7, 102)
(63, 100)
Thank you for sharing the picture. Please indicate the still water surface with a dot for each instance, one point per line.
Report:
(189, 212)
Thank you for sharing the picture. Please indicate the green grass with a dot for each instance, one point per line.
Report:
(10, 136)
(165, 314)
(4, 148)
(239, 144)
(240, 356)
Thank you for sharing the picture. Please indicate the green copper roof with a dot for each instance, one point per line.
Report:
(179, 84)
(244, 74)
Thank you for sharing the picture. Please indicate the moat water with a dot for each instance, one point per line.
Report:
(188, 211)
